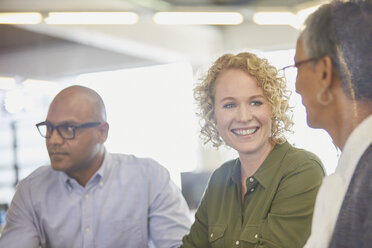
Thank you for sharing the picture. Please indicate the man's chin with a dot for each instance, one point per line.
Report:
(58, 166)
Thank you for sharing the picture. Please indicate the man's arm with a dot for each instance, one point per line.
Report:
(169, 215)
(20, 230)
(198, 236)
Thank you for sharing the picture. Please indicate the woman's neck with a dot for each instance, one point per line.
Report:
(250, 162)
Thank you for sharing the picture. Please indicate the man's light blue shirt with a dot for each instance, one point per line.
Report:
(128, 202)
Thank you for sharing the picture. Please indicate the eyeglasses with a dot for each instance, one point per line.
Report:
(297, 64)
(290, 71)
(66, 131)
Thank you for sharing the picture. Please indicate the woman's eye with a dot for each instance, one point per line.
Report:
(256, 103)
(229, 105)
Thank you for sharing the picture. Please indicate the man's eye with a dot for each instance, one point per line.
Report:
(229, 105)
(49, 127)
(67, 128)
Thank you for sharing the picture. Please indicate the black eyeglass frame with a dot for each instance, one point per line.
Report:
(297, 64)
(74, 128)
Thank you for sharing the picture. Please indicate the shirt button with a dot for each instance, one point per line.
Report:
(256, 236)
(101, 184)
(211, 235)
(237, 242)
(86, 196)
(87, 230)
(252, 189)
(251, 179)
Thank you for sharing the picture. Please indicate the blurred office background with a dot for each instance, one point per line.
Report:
(144, 60)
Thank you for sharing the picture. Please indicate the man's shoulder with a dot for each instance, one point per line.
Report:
(42, 174)
(40, 180)
(133, 164)
(140, 174)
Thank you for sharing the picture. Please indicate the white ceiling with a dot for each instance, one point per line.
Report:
(48, 52)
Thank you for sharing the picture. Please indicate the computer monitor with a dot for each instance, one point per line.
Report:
(193, 186)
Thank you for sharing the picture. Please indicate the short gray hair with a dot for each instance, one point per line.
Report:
(342, 30)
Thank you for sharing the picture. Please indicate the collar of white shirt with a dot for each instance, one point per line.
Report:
(333, 189)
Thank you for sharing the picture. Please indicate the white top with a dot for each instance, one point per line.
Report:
(333, 189)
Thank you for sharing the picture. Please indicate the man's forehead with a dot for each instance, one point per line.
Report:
(75, 110)
(299, 48)
(78, 102)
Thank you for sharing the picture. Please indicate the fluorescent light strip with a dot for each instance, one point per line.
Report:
(7, 83)
(303, 14)
(20, 18)
(198, 18)
(91, 18)
(284, 18)
(274, 18)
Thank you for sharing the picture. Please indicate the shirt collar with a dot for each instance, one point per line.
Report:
(268, 169)
(235, 174)
(265, 173)
(356, 144)
(103, 170)
(99, 177)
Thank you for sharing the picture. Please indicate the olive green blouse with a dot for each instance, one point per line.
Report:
(277, 208)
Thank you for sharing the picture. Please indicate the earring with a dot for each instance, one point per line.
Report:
(321, 101)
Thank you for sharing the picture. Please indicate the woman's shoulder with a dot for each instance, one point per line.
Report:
(296, 158)
(227, 166)
(295, 152)
(224, 171)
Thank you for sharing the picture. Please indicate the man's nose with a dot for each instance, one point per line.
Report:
(55, 137)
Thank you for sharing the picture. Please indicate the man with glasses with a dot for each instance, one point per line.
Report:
(89, 197)
(334, 63)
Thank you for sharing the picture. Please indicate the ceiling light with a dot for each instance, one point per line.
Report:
(91, 18)
(7, 83)
(199, 18)
(20, 18)
(303, 14)
(14, 101)
(274, 18)
(284, 18)
(35, 87)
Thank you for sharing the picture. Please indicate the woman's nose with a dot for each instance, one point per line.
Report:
(245, 114)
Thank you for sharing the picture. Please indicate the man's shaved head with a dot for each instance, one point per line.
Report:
(79, 96)
(81, 156)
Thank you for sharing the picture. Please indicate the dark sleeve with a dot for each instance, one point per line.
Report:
(354, 223)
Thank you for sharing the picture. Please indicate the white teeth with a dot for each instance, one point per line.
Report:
(244, 131)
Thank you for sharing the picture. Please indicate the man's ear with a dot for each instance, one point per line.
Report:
(103, 132)
(326, 71)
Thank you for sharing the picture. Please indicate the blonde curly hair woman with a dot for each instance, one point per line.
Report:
(265, 197)
(268, 79)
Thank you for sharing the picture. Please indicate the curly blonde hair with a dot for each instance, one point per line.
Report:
(268, 78)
